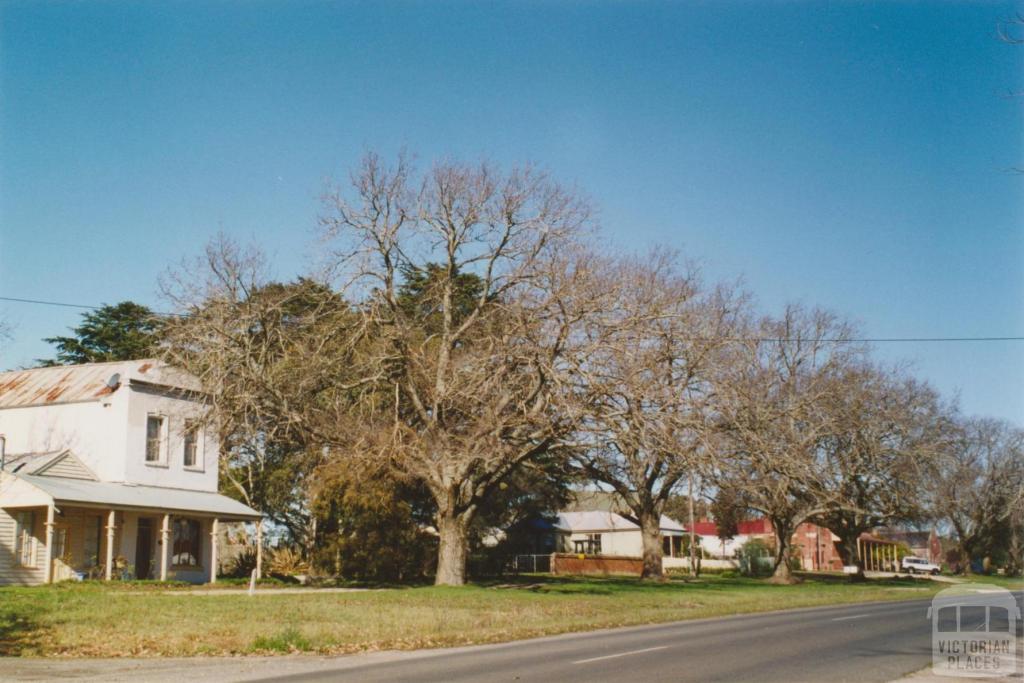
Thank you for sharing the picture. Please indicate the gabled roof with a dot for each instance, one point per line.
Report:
(51, 464)
(30, 462)
(102, 493)
(601, 520)
(593, 520)
(87, 382)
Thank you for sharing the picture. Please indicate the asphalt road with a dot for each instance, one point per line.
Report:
(861, 643)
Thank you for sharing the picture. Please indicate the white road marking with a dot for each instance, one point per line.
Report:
(855, 616)
(621, 654)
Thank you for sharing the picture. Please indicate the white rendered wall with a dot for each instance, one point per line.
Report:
(94, 431)
(109, 436)
(171, 472)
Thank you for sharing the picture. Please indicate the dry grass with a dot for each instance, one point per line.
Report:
(94, 620)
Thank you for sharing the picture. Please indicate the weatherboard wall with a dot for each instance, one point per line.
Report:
(11, 572)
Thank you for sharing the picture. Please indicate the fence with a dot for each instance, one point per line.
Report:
(567, 563)
(531, 564)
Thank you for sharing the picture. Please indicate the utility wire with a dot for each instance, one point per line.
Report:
(67, 305)
(728, 339)
(46, 303)
(890, 339)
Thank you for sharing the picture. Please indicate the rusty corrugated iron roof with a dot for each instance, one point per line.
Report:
(78, 383)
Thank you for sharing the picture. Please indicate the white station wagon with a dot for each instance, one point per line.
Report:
(918, 565)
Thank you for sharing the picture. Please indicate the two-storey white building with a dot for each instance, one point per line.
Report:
(108, 470)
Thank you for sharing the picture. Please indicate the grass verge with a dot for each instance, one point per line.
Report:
(95, 620)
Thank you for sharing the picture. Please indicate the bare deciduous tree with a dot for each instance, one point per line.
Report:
(772, 407)
(460, 333)
(644, 383)
(468, 380)
(978, 484)
(887, 430)
(276, 361)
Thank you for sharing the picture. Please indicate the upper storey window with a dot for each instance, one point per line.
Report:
(191, 456)
(154, 439)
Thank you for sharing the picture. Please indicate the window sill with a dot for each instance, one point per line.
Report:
(196, 469)
(161, 465)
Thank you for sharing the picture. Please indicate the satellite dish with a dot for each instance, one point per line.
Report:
(115, 381)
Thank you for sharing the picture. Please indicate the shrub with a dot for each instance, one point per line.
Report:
(752, 557)
(286, 561)
(242, 564)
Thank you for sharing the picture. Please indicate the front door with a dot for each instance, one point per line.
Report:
(144, 548)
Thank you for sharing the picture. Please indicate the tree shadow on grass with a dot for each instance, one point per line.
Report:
(899, 580)
(20, 631)
(20, 634)
(610, 585)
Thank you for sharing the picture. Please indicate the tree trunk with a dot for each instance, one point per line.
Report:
(848, 553)
(311, 540)
(650, 533)
(694, 561)
(782, 535)
(966, 555)
(452, 549)
(1015, 552)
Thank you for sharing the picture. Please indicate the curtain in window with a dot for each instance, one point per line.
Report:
(185, 548)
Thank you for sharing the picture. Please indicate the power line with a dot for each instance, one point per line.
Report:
(47, 303)
(923, 339)
(880, 339)
(64, 304)
(860, 340)
(846, 340)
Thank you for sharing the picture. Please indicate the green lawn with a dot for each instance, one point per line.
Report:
(1009, 583)
(97, 620)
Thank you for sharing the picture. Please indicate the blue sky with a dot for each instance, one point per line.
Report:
(852, 155)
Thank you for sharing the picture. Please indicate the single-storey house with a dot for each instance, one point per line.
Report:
(600, 532)
(109, 470)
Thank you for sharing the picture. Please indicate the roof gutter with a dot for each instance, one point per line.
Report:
(178, 512)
